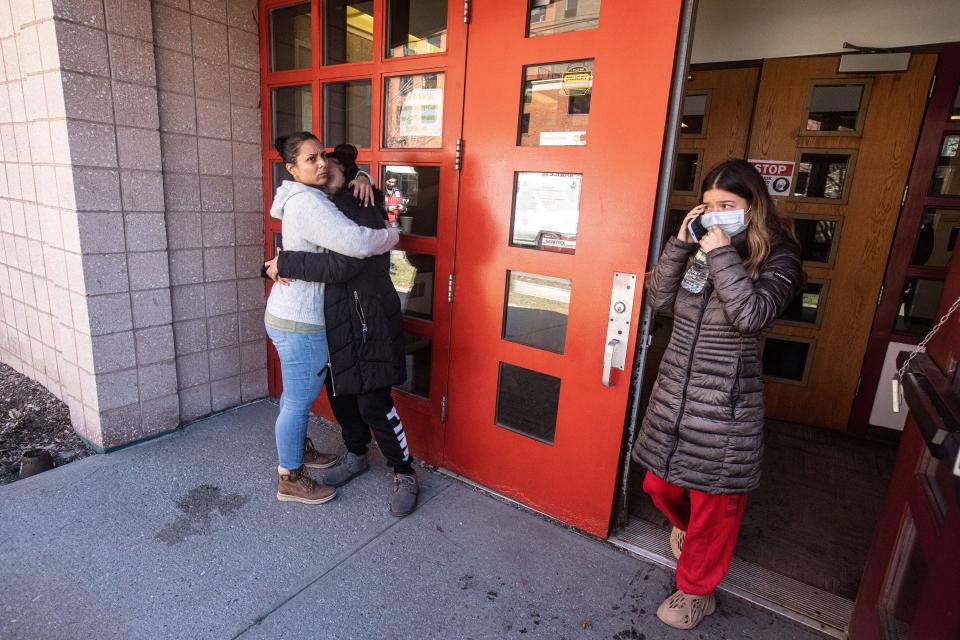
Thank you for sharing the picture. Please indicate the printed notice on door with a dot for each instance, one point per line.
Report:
(546, 210)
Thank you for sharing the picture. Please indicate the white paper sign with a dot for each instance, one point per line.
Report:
(422, 113)
(546, 203)
(778, 174)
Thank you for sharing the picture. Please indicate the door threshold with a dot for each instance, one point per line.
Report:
(809, 606)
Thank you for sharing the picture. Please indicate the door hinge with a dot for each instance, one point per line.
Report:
(450, 283)
(857, 392)
(933, 83)
(880, 296)
(903, 198)
(443, 409)
(458, 157)
(466, 11)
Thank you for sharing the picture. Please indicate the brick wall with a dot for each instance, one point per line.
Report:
(130, 208)
(208, 76)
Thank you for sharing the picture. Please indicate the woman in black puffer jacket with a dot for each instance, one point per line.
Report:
(701, 439)
(364, 325)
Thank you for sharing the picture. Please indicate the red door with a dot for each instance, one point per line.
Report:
(387, 76)
(911, 582)
(563, 126)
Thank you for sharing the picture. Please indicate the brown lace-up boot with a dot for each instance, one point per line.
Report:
(316, 459)
(297, 486)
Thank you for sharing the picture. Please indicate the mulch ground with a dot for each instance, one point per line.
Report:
(33, 418)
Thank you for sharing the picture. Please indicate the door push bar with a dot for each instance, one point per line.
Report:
(618, 329)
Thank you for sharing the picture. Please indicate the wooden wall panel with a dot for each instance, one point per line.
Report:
(869, 217)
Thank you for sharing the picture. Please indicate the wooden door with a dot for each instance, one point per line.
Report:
(725, 97)
(912, 578)
(387, 76)
(852, 138)
(715, 126)
(562, 141)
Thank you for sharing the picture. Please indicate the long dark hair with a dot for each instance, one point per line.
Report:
(768, 225)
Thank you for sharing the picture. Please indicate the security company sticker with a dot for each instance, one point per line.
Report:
(778, 174)
(576, 81)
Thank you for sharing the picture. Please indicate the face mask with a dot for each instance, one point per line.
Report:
(731, 222)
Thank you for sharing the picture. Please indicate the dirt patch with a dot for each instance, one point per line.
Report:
(33, 418)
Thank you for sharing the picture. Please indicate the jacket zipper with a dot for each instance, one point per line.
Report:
(686, 382)
(363, 319)
(333, 385)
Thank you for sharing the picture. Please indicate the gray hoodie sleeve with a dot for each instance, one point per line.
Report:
(319, 221)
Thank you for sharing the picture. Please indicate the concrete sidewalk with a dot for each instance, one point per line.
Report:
(182, 537)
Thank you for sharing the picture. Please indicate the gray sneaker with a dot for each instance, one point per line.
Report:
(352, 466)
(406, 490)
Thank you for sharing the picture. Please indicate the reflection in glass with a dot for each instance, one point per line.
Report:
(556, 104)
(918, 306)
(834, 107)
(527, 402)
(547, 17)
(806, 305)
(412, 192)
(412, 276)
(821, 175)
(816, 238)
(536, 310)
(413, 111)
(416, 27)
(280, 174)
(694, 114)
(785, 359)
(346, 113)
(292, 109)
(418, 351)
(685, 171)
(277, 243)
(347, 31)
(290, 37)
(937, 238)
(546, 208)
(946, 177)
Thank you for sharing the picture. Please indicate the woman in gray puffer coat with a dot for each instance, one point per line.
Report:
(701, 439)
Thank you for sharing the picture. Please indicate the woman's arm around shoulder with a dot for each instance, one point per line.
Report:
(319, 221)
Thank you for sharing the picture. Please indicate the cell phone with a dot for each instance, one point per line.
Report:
(696, 229)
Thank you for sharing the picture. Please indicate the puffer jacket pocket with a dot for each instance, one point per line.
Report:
(735, 389)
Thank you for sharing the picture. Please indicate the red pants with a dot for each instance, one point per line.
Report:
(712, 524)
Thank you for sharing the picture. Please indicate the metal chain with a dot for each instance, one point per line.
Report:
(923, 343)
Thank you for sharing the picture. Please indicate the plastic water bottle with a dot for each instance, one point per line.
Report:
(695, 279)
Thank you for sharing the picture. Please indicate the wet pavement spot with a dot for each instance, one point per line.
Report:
(197, 508)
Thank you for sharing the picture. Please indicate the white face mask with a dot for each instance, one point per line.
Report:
(731, 222)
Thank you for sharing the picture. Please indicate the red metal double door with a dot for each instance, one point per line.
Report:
(551, 141)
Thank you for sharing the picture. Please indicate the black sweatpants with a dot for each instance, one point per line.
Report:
(359, 414)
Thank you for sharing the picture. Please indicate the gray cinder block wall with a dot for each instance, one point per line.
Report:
(131, 213)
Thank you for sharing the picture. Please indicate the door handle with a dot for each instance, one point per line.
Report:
(608, 361)
(618, 329)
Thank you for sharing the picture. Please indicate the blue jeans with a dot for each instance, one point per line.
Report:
(303, 365)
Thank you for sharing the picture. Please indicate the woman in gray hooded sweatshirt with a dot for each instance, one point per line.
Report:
(294, 315)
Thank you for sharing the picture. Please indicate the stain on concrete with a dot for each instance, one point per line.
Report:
(198, 507)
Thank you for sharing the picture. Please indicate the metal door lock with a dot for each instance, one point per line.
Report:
(621, 308)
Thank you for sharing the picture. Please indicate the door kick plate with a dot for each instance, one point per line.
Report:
(621, 309)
